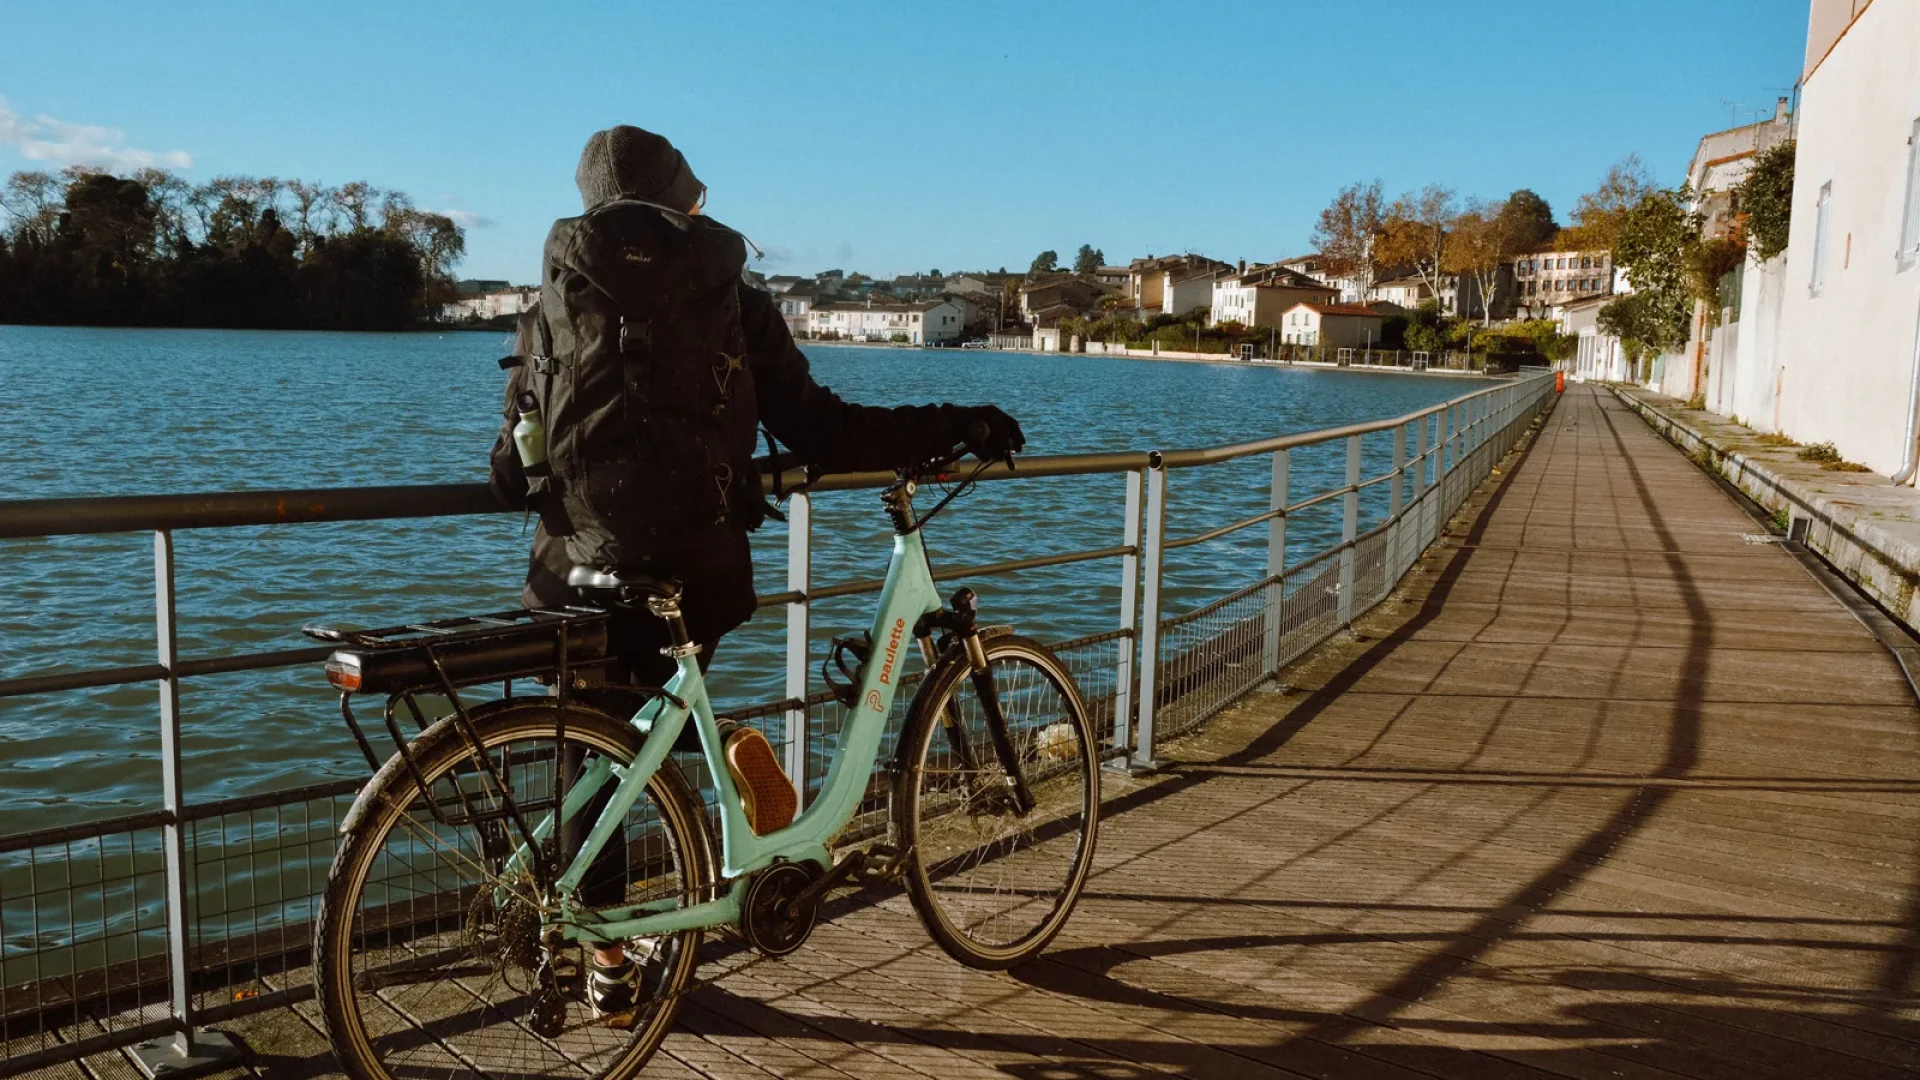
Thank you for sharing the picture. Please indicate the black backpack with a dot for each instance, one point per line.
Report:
(638, 359)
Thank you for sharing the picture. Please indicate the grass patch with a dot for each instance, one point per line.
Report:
(1773, 438)
(1828, 458)
(1697, 402)
(1780, 519)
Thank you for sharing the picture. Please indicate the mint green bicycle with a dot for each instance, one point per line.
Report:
(452, 938)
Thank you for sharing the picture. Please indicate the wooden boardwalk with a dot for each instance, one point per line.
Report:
(1610, 792)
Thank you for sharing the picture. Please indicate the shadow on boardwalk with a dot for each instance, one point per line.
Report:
(1611, 792)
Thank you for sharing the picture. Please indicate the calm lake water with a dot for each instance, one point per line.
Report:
(116, 412)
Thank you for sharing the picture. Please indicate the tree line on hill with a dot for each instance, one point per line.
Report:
(88, 247)
(1654, 238)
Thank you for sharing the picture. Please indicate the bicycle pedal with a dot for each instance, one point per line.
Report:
(766, 794)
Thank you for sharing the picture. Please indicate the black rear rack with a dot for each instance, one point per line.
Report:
(523, 643)
(565, 647)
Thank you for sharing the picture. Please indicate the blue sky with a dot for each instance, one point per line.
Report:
(888, 138)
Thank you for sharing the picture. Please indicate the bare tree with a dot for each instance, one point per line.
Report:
(1415, 233)
(309, 208)
(1484, 239)
(1348, 232)
(169, 195)
(1598, 213)
(33, 201)
(355, 201)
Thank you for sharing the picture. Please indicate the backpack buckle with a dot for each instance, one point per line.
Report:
(541, 365)
(635, 336)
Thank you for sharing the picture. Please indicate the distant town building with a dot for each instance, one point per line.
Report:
(480, 286)
(916, 284)
(1350, 326)
(503, 300)
(922, 323)
(780, 283)
(1171, 284)
(796, 302)
(1544, 279)
(1315, 266)
(1405, 292)
(1597, 354)
(1115, 277)
(1060, 296)
(1262, 295)
(967, 285)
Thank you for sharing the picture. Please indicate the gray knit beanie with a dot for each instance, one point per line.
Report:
(626, 162)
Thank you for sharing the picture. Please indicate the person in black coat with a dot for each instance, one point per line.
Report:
(812, 421)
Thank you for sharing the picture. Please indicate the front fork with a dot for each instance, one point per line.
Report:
(961, 622)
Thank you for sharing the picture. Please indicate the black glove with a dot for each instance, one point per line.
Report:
(989, 434)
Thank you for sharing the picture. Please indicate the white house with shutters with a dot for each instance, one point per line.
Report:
(928, 322)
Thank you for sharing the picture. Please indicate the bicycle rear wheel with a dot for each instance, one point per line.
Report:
(427, 953)
(992, 885)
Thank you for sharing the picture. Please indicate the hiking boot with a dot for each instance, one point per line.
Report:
(766, 794)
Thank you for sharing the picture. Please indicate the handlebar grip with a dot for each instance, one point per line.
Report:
(978, 433)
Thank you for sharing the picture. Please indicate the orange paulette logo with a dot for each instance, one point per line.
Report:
(873, 701)
(893, 651)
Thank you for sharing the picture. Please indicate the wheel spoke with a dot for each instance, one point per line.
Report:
(442, 956)
(993, 883)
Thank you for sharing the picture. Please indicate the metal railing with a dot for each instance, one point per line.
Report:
(146, 926)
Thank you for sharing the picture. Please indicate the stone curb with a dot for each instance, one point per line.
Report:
(1862, 524)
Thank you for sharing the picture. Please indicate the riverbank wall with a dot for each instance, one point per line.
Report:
(1862, 523)
(1122, 353)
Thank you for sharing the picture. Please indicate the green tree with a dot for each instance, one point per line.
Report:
(1045, 263)
(1766, 197)
(111, 221)
(1652, 241)
(89, 247)
(1088, 259)
(1527, 220)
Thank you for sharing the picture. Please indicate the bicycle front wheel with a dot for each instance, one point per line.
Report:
(993, 884)
(428, 951)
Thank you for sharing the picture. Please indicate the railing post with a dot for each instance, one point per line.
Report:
(1151, 561)
(1349, 529)
(1123, 681)
(1420, 532)
(186, 1049)
(799, 633)
(1276, 559)
(1396, 502)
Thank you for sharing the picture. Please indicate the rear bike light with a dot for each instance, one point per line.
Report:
(343, 671)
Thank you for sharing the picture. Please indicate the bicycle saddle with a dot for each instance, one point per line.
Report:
(627, 582)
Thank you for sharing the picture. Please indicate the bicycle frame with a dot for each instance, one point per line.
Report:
(907, 594)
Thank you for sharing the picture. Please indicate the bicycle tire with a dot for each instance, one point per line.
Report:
(455, 1027)
(965, 848)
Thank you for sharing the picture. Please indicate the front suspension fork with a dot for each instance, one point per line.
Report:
(961, 621)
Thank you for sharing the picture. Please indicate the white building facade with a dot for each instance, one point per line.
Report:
(929, 323)
(1849, 315)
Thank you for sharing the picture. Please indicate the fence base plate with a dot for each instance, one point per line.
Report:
(168, 1058)
(1141, 766)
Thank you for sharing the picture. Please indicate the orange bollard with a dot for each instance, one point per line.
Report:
(1559, 382)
